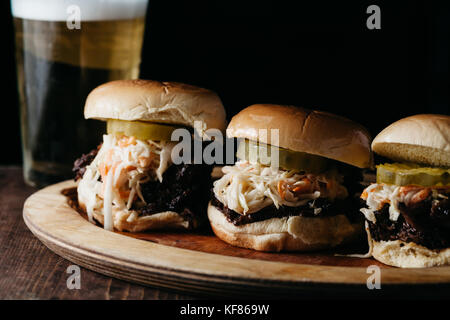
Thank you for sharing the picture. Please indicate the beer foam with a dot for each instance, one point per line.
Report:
(90, 10)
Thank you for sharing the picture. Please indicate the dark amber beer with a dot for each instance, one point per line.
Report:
(59, 61)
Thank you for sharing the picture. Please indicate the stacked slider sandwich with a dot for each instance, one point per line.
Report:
(130, 182)
(308, 202)
(408, 209)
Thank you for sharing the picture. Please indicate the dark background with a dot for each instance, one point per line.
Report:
(317, 54)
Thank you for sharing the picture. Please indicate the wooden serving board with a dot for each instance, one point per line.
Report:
(203, 264)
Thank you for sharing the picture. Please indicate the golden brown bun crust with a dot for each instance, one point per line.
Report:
(155, 101)
(305, 130)
(157, 221)
(285, 234)
(422, 138)
(409, 254)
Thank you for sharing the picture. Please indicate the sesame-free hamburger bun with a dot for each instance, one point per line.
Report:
(156, 101)
(407, 209)
(422, 138)
(310, 131)
(146, 190)
(277, 209)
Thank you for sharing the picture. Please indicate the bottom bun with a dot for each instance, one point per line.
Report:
(127, 220)
(409, 254)
(288, 233)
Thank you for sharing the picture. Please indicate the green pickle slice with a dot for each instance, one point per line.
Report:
(288, 160)
(141, 130)
(403, 174)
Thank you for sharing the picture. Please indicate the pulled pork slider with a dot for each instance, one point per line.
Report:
(408, 209)
(129, 182)
(310, 200)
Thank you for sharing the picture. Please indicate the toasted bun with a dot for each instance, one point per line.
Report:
(423, 138)
(409, 254)
(304, 130)
(285, 234)
(161, 220)
(155, 101)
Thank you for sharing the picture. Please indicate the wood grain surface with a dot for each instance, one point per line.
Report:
(204, 240)
(200, 263)
(30, 271)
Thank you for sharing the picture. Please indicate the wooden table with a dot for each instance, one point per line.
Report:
(31, 271)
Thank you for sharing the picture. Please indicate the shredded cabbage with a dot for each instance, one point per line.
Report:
(248, 187)
(377, 194)
(124, 164)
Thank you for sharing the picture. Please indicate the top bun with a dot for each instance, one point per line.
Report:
(155, 101)
(305, 130)
(423, 138)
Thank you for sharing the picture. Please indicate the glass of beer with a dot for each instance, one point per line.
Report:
(64, 49)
